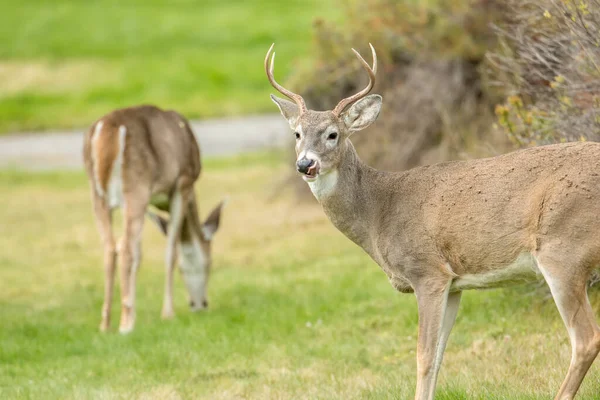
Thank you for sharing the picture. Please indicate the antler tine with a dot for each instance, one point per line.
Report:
(371, 71)
(269, 66)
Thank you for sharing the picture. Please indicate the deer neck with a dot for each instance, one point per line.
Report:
(344, 195)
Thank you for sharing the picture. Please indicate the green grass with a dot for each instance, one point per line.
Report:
(65, 63)
(297, 311)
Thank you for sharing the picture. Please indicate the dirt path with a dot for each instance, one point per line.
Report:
(62, 150)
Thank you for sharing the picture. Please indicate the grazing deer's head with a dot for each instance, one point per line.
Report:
(321, 135)
(195, 251)
(195, 261)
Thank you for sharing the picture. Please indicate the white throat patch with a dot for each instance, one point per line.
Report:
(324, 185)
(193, 260)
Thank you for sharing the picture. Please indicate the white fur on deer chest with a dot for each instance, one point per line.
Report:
(324, 185)
(193, 263)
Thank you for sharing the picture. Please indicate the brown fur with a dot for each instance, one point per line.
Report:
(105, 152)
(158, 150)
(474, 215)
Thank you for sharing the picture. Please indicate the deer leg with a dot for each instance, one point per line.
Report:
(177, 211)
(569, 291)
(447, 324)
(437, 313)
(103, 216)
(130, 254)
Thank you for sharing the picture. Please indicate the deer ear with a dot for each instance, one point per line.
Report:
(210, 226)
(288, 109)
(362, 113)
(162, 223)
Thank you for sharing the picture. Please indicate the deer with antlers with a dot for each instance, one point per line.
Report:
(441, 229)
(134, 158)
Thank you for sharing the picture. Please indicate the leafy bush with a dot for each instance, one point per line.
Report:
(548, 61)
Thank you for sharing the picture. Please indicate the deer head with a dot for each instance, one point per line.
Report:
(321, 136)
(195, 251)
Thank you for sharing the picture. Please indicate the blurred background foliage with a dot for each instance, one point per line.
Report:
(63, 63)
(548, 60)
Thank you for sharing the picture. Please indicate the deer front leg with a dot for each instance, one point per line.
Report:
(437, 313)
(177, 211)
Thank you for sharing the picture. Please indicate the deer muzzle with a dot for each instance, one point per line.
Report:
(305, 165)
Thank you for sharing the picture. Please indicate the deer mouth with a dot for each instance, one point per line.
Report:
(312, 172)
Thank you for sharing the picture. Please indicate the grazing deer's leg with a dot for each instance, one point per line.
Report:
(130, 255)
(569, 291)
(104, 221)
(437, 312)
(178, 208)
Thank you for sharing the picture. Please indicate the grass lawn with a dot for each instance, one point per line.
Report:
(64, 63)
(297, 311)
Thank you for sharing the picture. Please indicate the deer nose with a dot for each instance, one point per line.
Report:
(204, 304)
(304, 164)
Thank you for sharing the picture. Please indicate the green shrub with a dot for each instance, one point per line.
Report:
(548, 63)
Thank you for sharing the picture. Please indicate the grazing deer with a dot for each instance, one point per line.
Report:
(136, 157)
(441, 229)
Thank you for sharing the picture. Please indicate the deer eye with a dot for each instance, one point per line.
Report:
(332, 136)
(297, 135)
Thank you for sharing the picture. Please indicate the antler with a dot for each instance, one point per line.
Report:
(371, 71)
(269, 69)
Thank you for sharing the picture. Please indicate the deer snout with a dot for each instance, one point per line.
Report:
(304, 164)
(202, 306)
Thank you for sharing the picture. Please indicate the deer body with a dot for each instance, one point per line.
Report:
(141, 156)
(441, 229)
(471, 218)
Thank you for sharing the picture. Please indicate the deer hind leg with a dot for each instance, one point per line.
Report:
(437, 313)
(569, 290)
(130, 256)
(177, 212)
(103, 216)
